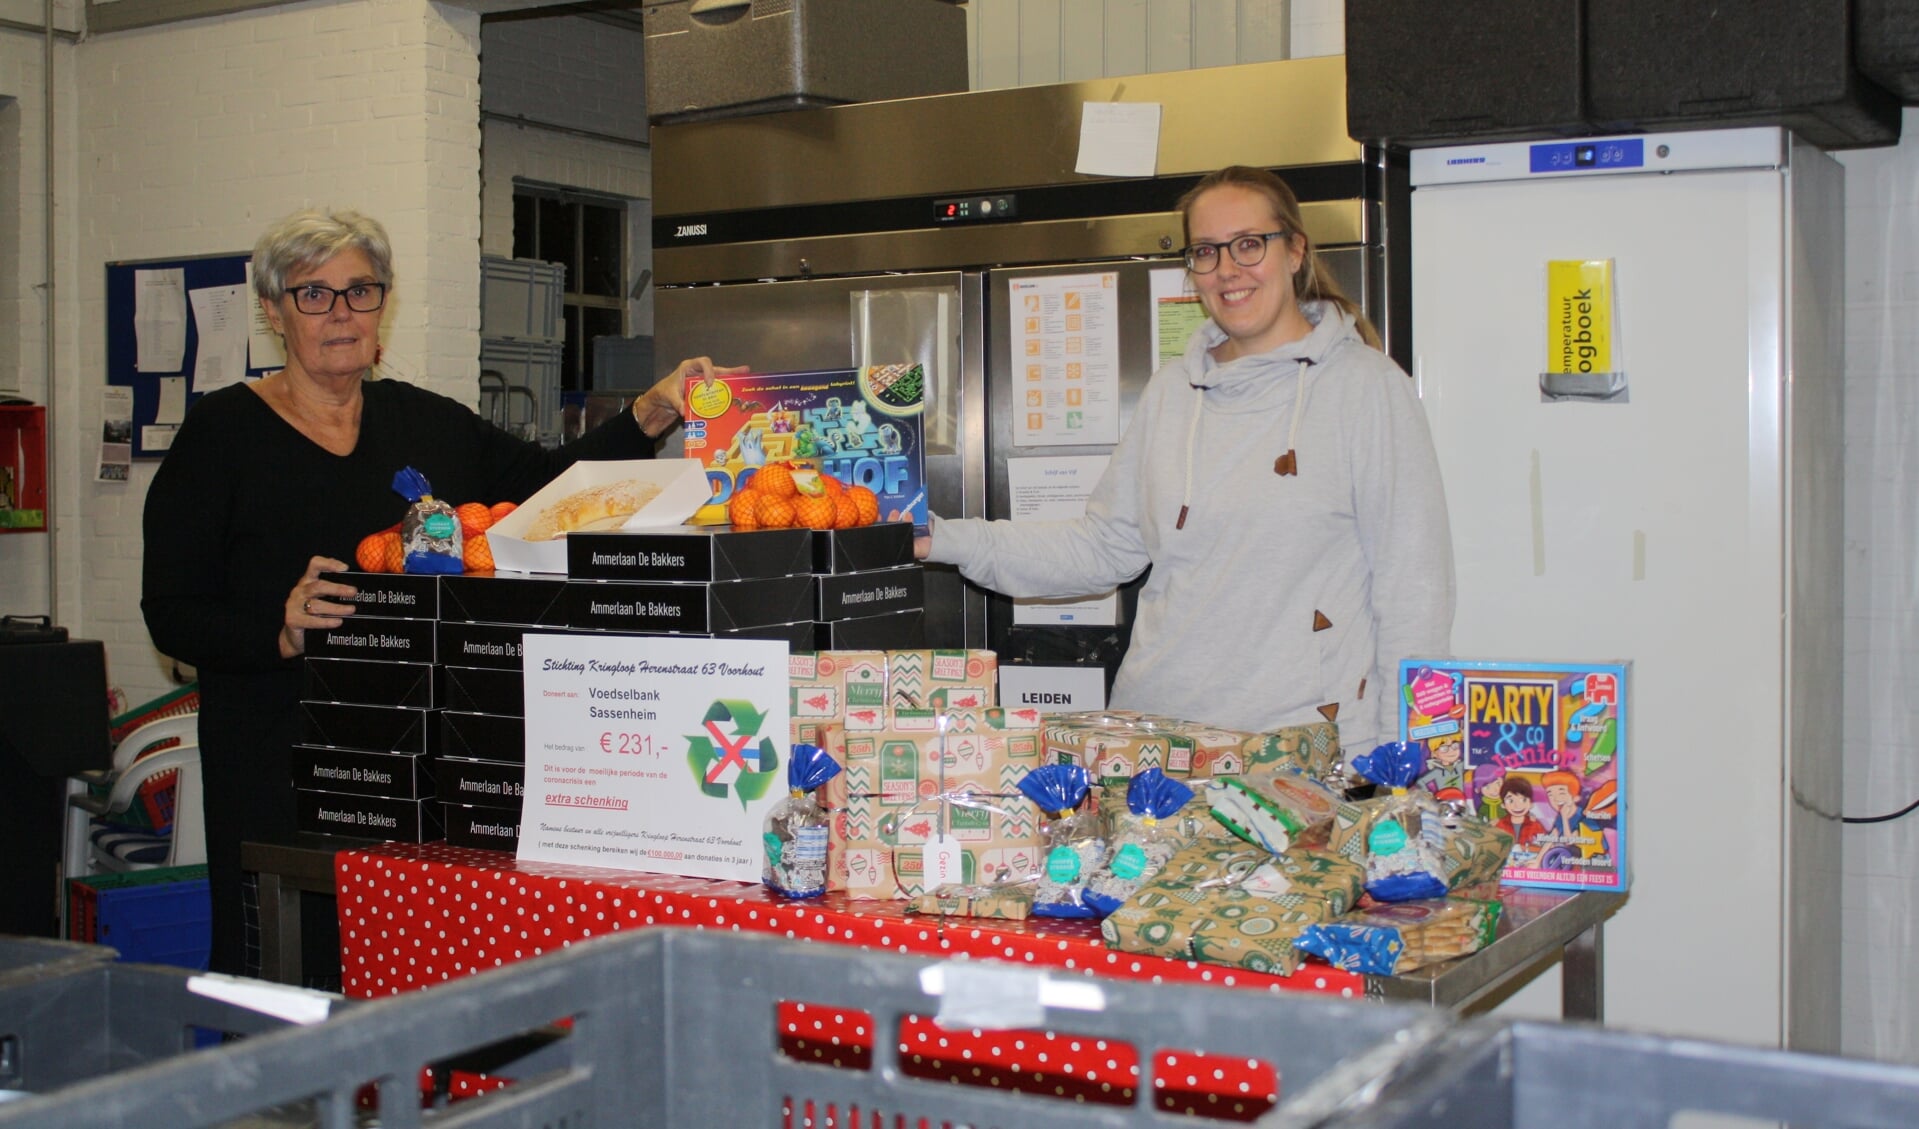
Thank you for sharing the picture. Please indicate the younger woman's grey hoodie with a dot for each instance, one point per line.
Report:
(1284, 598)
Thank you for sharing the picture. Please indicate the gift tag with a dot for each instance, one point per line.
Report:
(941, 861)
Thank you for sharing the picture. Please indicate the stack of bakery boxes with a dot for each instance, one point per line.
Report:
(416, 724)
(365, 767)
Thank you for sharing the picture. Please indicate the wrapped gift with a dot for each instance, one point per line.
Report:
(1311, 749)
(1007, 902)
(862, 689)
(1389, 939)
(880, 849)
(1235, 905)
(1113, 745)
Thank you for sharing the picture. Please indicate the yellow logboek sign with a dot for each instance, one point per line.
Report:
(1579, 316)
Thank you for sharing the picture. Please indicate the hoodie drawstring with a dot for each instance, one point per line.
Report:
(1286, 464)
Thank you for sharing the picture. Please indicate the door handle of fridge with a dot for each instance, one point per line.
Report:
(1599, 386)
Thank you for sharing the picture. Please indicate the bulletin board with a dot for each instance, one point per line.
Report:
(171, 378)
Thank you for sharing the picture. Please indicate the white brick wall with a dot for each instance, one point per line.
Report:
(193, 136)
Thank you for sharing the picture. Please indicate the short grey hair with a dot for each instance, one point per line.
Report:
(308, 238)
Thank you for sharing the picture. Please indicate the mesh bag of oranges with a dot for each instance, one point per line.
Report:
(385, 551)
(783, 496)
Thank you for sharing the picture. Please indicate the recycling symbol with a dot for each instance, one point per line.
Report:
(730, 755)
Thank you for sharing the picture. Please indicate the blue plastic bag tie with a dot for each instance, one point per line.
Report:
(411, 484)
(809, 767)
(1396, 764)
(1153, 794)
(1058, 789)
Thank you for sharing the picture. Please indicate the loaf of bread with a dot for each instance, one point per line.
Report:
(596, 507)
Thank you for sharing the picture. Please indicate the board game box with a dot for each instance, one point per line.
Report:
(1538, 749)
(862, 426)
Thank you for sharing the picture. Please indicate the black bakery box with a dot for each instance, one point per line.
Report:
(495, 646)
(368, 683)
(367, 817)
(851, 595)
(401, 776)
(484, 690)
(375, 638)
(689, 553)
(392, 595)
(798, 636)
(489, 829)
(376, 729)
(689, 608)
(503, 597)
(475, 780)
(893, 631)
(887, 544)
(482, 736)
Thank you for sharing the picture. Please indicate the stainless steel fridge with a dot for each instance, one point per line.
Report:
(901, 231)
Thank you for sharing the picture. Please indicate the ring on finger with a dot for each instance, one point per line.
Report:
(307, 606)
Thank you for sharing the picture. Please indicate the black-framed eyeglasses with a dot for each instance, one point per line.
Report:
(1246, 250)
(361, 297)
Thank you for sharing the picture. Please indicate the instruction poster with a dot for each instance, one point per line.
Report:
(1055, 488)
(1176, 313)
(660, 754)
(1065, 362)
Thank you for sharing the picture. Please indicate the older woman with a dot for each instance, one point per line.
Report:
(272, 483)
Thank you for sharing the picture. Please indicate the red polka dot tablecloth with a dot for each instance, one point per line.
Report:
(416, 915)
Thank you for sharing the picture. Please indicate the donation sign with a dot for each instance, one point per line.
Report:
(660, 754)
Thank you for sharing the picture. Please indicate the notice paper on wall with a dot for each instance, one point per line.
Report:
(1065, 359)
(220, 317)
(661, 754)
(1118, 139)
(1055, 488)
(160, 319)
(264, 348)
(1176, 313)
(116, 434)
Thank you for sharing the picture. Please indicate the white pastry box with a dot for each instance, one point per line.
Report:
(681, 489)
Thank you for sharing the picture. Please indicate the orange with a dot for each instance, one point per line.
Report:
(478, 556)
(743, 511)
(500, 509)
(774, 513)
(846, 512)
(867, 501)
(775, 480)
(474, 519)
(368, 555)
(834, 487)
(814, 513)
(392, 552)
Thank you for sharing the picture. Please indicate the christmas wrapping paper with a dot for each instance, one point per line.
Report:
(1213, 903)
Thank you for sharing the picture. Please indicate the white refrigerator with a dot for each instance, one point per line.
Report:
(1684, 514)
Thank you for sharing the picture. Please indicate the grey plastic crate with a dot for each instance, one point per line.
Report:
(38, 956)
(520, 386)
(1576, 1076)
(673, 1027)
(520, 298)
(77, 1023)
